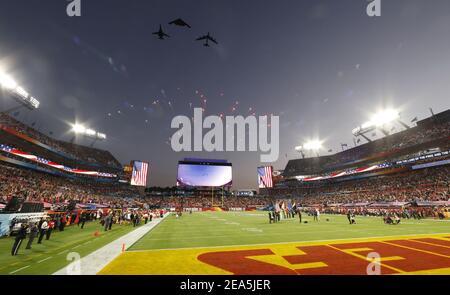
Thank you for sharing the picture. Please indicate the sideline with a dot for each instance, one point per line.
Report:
(91, 264)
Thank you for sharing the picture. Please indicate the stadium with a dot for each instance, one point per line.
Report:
(213, 230)
(68, 207)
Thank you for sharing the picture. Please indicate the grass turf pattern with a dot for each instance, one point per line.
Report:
(51, 255)
(213, 229)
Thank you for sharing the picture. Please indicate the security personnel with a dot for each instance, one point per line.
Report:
(42, 230)
(51, 226)
(21, 235)
(33, 233)
(82, 219)
(299, 212)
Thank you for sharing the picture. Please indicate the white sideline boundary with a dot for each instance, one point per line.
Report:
(92, 263)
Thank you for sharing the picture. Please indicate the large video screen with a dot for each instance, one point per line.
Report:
(205, 174)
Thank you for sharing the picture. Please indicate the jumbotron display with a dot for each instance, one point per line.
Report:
(204, 174)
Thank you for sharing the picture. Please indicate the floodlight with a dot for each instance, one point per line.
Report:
(383, 117)
(22, 92)
(313, 145)
(34, 102)
(90, 132)
(101, 135)
(7, 82)
(299, 148)
(77, 128)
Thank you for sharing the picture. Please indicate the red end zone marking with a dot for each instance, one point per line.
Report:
(238, 263)
(435, 241)
(339, 263)
(425, 247)
(413, 260)
(338, 259)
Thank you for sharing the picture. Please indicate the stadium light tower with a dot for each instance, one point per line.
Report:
(311, 145)
(378, 121)
(384, 117)
(300, 150)
(78, 128)
(7, 82)
(87, 132)
(17, 92)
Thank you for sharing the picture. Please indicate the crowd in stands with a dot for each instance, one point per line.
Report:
(392, 143)
(83, 153)
(209, 201)
(423, 185)
(431, 184)
(41, 187)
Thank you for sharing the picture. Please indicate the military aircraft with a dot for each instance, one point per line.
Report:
(161, 33)
(180, 22)
(207, 38)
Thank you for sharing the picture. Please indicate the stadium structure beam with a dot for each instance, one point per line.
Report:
(403, 124)
(384, 131)
(365, 137)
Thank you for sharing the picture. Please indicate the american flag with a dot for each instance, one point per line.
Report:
(43, 161)
(6, 148)
(139, 175)
(265, 177)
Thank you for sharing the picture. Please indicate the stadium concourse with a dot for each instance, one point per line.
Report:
(72, 195)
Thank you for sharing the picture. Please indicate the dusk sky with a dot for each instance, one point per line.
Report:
(322, 66)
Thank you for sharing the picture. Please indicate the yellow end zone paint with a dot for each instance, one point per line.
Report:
(185, 261)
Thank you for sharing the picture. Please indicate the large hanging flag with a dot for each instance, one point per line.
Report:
(139, 174)
(265, 177)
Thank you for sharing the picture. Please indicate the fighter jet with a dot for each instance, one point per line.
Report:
(207, 38)
(180, 22)
(161, 33)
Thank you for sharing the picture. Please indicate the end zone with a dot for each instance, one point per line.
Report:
(421, 254)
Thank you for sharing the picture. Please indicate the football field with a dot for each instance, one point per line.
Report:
(245, 243)
(51, 255)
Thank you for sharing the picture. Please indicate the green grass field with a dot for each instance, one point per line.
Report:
(50, 256)
(206, 229)
(246, 228)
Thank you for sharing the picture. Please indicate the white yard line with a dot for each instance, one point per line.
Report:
(17, 270)
(97, 260)
(44, 259)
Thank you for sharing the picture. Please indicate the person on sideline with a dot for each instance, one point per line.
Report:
(33, 233)
(21, 235)
(42, 230)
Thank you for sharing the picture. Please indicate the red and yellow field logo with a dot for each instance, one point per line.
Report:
(430, 255)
